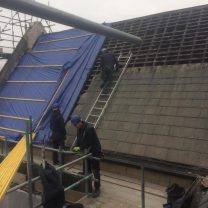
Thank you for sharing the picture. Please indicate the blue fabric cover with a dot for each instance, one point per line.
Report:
(69, 68)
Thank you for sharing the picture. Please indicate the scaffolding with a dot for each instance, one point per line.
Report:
(13, 26)
(25, 146)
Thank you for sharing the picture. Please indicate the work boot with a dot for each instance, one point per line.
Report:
(96, 193)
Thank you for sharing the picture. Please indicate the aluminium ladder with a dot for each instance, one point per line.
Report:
(98, 108)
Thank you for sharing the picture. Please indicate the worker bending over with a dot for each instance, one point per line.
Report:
(87, 139)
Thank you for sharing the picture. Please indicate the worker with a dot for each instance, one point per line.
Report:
(108, 63)
(58, 136)
(53, 190)
(87, 139)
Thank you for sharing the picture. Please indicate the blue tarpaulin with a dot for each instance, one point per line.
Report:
(54, 71)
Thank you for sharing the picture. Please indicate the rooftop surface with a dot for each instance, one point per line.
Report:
(120, 191)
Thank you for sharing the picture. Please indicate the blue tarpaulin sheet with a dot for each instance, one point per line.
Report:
(53, 72)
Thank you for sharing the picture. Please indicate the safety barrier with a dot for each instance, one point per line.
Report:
(31, 180)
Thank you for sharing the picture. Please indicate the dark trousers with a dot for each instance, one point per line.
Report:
(58, 143)
(75, 205)
(94, 167)
(57, 201)
(106, 76)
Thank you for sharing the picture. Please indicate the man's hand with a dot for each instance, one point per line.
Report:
(76, 149)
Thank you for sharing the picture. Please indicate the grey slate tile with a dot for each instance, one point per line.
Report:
(123, 147)
(108, 144)
(155, 152)
(158, 112)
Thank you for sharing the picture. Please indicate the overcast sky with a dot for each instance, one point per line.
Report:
(115, 10)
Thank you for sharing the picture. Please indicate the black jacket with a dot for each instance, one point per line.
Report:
(53, 191)
(87, 139)
(108, 60)
(57, 123)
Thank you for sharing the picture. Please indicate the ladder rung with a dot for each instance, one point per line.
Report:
(104, 94)
(124, 57)
(104, 100)
(100, 101)
(95, 108)
(90, 123)
(93, 115)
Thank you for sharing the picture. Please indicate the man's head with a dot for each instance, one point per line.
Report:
(76, 121)
(55, 107)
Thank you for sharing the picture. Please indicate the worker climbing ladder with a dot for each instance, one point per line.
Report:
(98, 108)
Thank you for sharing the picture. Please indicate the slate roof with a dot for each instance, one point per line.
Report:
(156, 112)
(159, 110)
(161, 113)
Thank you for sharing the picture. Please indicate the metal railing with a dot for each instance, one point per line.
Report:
(30, 182)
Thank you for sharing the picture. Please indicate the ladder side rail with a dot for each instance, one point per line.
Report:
(91, 109)
(112, 92)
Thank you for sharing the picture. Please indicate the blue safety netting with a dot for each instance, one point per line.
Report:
(55, 70)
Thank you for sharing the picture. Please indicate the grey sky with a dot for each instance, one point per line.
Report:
(115, 10)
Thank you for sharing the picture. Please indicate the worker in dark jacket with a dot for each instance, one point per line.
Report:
(58, 133)
(53, 191)
(108, 63)
(87, 139)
